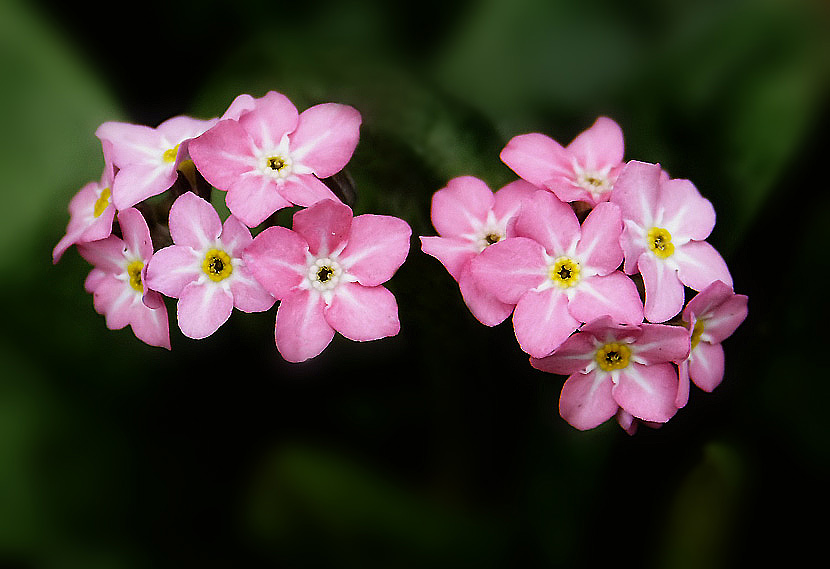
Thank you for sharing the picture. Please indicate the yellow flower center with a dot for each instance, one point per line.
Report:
(564, 272)
(102, 202)
(492, 238)
(659, 241)
(134, 271)
(170, 154)
(697, 331)
(276, 163)
(217, 265)
(613, 356)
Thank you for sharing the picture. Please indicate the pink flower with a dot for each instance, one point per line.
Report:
(91, 214)
(204, 268)
(585, 170)
(613, 367)
(327, 274)
(559, 274)
(711, 317)
(147, 158)
(117, 282)
(469, 218)
(666, 222)
(271, 157)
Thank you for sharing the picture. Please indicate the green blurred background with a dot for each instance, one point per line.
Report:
(439, 447)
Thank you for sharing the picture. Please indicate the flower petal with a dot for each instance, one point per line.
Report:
(453, 253)
(193, 222)
(277, 260)
(150, 325)
(377, 247)
(509, 199)
(706, 365)
(664, 291)
(550, 222)
(324, 226)
(686, 214)
(223, 154)
(137, 182)
(660, 343)
(106, 254)
(599, 146)
(586, 401)
(485, 307)
(536, 158)
(305, 190)
(363, 313)
(253, 198)
(648, 392)
(699, 265)
(135, 232)
(273, 116)
(301, 331)
(599, 246)
(509, 268)
(326, 137)
(171, 269)
(574, 355)
(613, 295)
(542, 321)
(461, 207)
(637, 191)
(203, 308)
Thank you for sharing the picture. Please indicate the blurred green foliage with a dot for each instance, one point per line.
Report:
(439, 447)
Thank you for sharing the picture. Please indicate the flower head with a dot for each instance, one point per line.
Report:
(585, 170)
(267, 156)
(710, 317)
(204, 268)
(469, 217)
(327, 273)
(91, 214)
(147, 158)
(118, 283)
(666, 222)
(612, 367)
(559, 273)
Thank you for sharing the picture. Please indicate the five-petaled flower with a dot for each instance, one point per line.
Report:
(91, 214)
(272, 157)
(613, 366)
(327, 273)
(204, 268)
(469, 217)
(585, 170)
(666, 222)
(147, 158)
(711, 316)
(559, 274)
(118, 284)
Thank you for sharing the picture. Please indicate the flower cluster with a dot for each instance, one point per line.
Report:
(593, 256)
(149, 228)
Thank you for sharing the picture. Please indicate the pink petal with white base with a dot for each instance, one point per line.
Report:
(273, 116)
(324, 226)
(706, 365)
(637, 191)
(535, 157)
(684, 385)
(687, 214)
(485, 307)
(510, 268)
(203, 308)
(173, 268)
(223, 154)
(542, 321)
(460, 207)
(301, 331)
(277, 260)
(699, 265)
(509, 199)
(106, 254)
(248, 294)
(648, 392)
(129, 142)
(599, 246)
(363, 313)
(151, 325)
(453, 253)
(574, 355)
(305, 190)
(550, 222)
(377, 247)
(659, 343)
(326, 137)
(600, 145)
(586, 401)
(136, 182)
(193, 222)
(135, 232)
(614, 295)
(253, 198)
(664, 292)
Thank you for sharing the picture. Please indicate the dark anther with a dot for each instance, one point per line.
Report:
(216, 265)
(276, 163)
(492, 238)
(564, 273)
(324, 274)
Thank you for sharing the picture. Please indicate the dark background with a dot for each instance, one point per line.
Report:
(441, 446)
